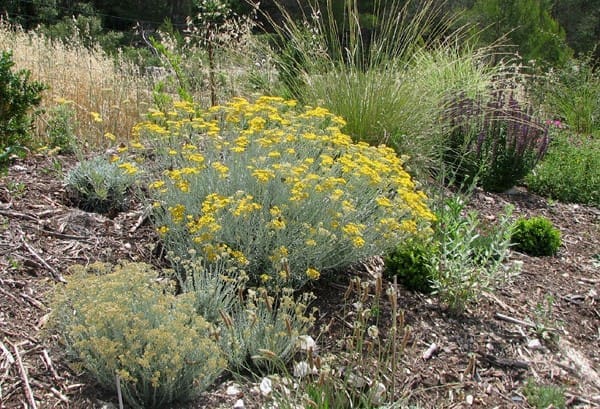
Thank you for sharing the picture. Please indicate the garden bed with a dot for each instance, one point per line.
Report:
(482, 358)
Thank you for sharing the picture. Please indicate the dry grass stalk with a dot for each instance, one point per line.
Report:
(88, 79)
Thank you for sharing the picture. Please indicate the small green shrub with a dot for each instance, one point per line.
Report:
(280, 188)
(495, 142)
(101, 186)
(18, 95)
(120, 321)
(410, 263)
(570, 172)
(544, 396)
(60, 128)
(536, 236)
(461, 258)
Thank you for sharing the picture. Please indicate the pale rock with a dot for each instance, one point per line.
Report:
(239, 404)
(469, 400)
(307, 343)
(266, 386)
(534, 344)
(233, 390)
(378, 395)
(357, 381)
(302, 369)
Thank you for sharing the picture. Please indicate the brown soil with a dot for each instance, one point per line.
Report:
(483, 358)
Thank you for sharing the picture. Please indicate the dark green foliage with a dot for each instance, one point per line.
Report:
(544, 396)
(18, 95)
(570, 172)
(536, 236)
(525, 26)
(410, 262)
(581, 21)
(496, 143)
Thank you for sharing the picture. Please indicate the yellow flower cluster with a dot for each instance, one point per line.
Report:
(266, 175)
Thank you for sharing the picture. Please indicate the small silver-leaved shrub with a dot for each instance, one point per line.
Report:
(262, 332)
(98, 185)
(118, 321)
(471, 258)
(279, 188)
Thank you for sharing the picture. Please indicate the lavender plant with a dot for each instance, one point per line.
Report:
(496, 142)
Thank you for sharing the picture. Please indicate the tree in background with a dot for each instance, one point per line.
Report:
(526, 25)
(581, 21)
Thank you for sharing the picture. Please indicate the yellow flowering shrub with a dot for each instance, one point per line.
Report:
(120, 321)
(280, 185)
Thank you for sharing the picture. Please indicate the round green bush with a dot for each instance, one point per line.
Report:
(536, 236)
(120, 321)
(410, 262)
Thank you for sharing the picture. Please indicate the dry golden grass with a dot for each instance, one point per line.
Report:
(93, 81)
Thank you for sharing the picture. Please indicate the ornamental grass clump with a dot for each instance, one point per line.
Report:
(279, 188)
(119, 321)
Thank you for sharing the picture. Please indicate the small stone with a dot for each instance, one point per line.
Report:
(266, 386)
(357, 381)
(534, 344)
(239, 404)
(378, 395)
(430, 351)
(489, 346)
(302, 369)
(469, 400)
(306, 343)
(233, 390)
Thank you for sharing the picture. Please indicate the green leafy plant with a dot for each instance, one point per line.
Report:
(410, 262)
(119, 321)
(16, 189)
(281, 189)
(60, 128)
(544, 396)
(101, 186)
(536, 236)
(572, 94)
(459, 259)
(543, 320)
(18, 95)
(570, 172)
(470, 256)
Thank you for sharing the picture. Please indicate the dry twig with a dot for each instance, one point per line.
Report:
(24, 380)
(55, 274)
